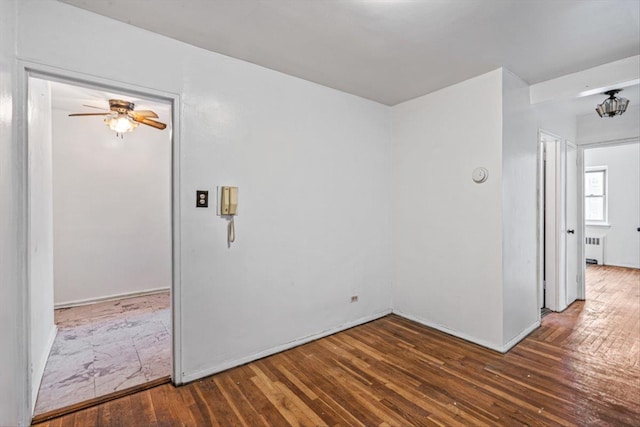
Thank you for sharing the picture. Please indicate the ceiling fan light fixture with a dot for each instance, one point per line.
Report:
(122, 117)
(612, 106)
(120, 123)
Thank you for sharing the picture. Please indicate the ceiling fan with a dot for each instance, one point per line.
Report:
(121, 117)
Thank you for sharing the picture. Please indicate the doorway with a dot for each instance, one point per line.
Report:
(95, 199)
(611, 195)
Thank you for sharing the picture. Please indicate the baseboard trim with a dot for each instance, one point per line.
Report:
(56, 413)
(499, 348)
(88, 301)
(522, 335)
(634, 267)
(448, 331)
(35, 385)
(188, 377)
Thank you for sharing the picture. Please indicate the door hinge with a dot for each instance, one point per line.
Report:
(544, 284)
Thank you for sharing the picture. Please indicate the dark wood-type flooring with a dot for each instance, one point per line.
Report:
(581, 367)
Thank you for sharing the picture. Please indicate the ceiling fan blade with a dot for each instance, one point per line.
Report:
(88, 114)
(145, 113)
(92, 106)
(150, 122)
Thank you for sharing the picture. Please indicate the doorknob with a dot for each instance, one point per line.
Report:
(571, 231)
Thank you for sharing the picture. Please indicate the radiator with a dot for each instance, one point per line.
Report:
(594, 250)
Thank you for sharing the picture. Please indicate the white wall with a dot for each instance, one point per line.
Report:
(448, 229)
(43, 329)
(112, 209)
(622, 243)
(13, 374)
(466, 253)
(591, 128)
(556, 120)
(519, 208)
(313, 169)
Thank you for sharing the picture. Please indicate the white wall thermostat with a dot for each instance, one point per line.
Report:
(480, 175)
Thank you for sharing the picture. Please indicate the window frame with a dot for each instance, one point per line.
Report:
(605, 195)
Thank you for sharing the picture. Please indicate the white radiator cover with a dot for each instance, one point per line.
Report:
(594, 248)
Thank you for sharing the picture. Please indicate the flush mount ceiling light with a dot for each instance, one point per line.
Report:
(122, 118)
(612, 106)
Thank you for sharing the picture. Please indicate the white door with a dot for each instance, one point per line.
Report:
(553, 228)
(571, 223)
(560, 220)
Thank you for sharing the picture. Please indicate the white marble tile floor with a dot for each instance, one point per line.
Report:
(105, 347)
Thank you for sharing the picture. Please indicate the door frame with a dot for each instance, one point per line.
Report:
(582, 267)
(28, 69)
(540, 195)
(550, 233)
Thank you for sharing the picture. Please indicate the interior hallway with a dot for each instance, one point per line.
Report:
(106, 347)
(580, 367)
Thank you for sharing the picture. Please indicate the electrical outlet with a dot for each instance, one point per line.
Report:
(202, 199)
(354, 298)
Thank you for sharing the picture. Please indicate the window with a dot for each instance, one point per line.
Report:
(595, 191)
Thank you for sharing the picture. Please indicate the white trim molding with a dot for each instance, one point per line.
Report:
(192, 376)
(499, 348)
(42, 363)
(88, 301)
(522, 335)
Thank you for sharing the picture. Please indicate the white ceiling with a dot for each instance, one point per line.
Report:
(394, 50)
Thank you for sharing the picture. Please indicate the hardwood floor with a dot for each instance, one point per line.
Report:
(581, 367)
